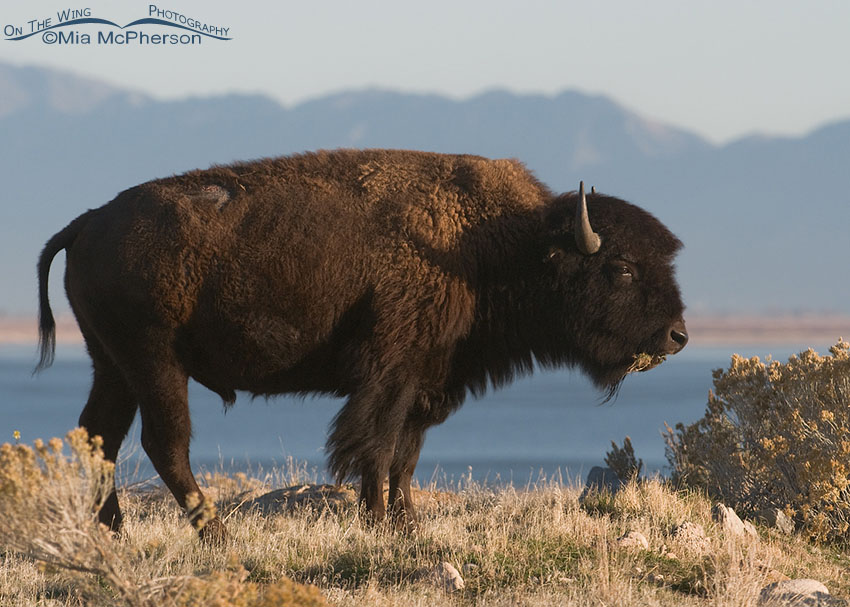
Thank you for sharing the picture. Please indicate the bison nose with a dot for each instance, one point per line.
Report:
(678, 337)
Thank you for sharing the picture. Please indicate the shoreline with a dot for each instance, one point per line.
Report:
(707, 330)
(23, 331)
(805, 329)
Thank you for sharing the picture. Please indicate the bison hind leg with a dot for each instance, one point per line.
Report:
(108, 413)
(162, 386)
(363, 439)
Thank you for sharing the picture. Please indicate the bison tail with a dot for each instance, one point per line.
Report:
(46, 323)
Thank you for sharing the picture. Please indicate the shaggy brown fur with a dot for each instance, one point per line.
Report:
(401, 280)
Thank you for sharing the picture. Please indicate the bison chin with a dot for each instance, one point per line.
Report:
(609, 378)
(652, 353)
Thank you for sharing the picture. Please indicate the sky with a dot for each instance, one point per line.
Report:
(723, 69)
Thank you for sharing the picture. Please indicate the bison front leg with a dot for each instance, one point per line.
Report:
(372, 477)
(400, 500)
(363, 440)
(429, 411)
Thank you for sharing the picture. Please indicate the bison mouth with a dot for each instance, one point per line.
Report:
(645, 362)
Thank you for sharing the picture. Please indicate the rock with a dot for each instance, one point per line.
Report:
(633, 539)
(601, 479)
(298, 496)
(690, 536)
(731, 522)
(776, 518)
(320, 497)
(446, 576)
(798, 593)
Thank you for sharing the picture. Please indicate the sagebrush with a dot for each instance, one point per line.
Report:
(49, 498)
(775, 435)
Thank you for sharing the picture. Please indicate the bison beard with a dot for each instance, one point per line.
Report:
(400, 280)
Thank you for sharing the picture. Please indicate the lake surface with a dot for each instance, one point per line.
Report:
(550, 422)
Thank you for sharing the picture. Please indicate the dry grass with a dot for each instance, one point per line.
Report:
(535, 547)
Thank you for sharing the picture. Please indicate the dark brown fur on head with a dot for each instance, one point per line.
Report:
(623, 313)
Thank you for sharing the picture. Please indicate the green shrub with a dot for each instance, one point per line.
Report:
(623, 461)
(775, 435)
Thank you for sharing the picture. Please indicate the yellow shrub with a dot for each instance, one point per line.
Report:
(775, 435)
(49, 498)
(228, 589)
(46, 496)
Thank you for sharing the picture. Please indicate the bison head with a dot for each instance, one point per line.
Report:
(613, 272)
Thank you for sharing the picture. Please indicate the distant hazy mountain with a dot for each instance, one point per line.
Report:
(764, 220)
(31, 89)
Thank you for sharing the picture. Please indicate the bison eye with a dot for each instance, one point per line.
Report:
(623, 271)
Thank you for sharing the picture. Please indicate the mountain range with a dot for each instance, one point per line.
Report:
(764, 219)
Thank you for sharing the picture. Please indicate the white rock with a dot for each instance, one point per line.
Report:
(797, 593)
(447, 576)
(731, 522)
(633, 539)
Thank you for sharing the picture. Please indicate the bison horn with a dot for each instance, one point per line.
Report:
(587, 240)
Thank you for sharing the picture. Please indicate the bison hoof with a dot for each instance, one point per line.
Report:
(403, 520)
(214, 532)
(405, 524)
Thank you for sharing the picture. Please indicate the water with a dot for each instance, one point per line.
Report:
(550, 423)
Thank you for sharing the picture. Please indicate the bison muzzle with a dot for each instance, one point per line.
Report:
(399, 280)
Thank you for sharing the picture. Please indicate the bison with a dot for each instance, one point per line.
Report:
(401, 280)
